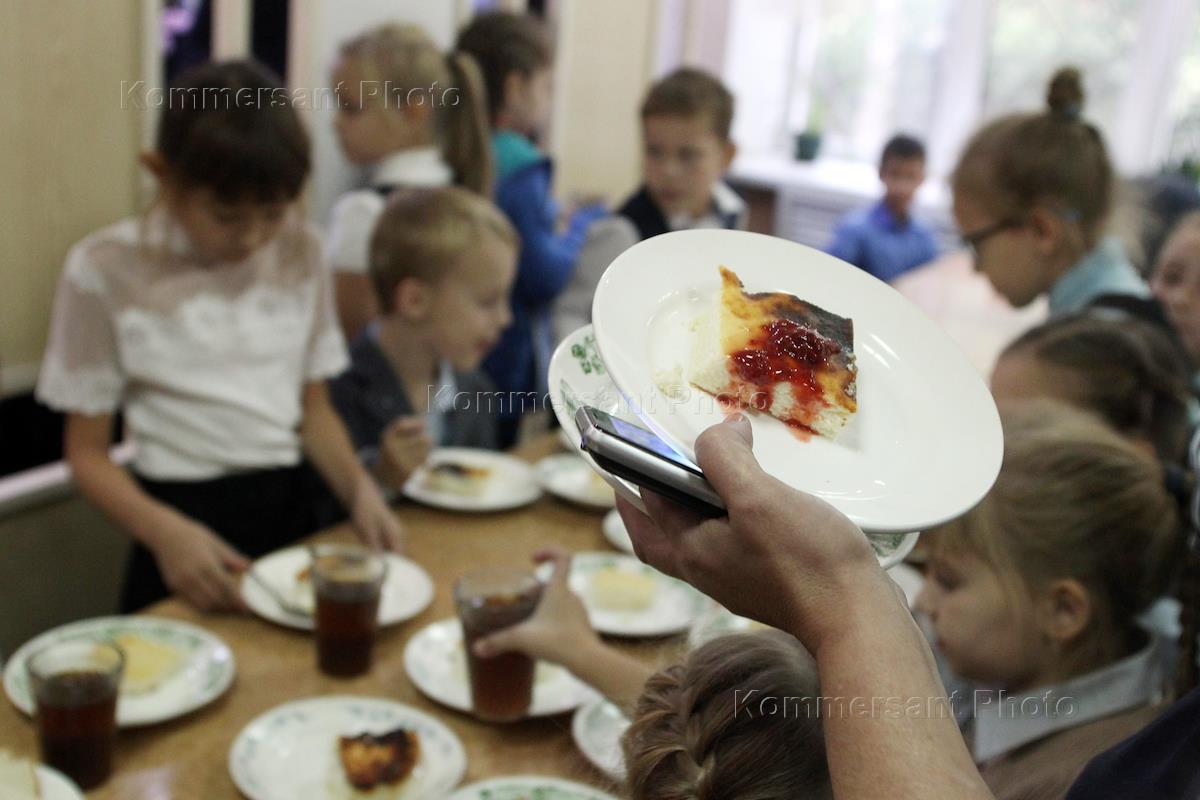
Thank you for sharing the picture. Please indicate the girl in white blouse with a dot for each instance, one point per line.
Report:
(209, 324)
(415, 117)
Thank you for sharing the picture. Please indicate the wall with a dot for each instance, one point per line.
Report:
(68, 165)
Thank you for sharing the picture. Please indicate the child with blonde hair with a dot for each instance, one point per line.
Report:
(442, 263)
(209, 325)
(415, 117)
(1032, 196)
(1035, 594)
(738, 718)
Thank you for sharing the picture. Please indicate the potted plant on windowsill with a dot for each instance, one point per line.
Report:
(807, 143)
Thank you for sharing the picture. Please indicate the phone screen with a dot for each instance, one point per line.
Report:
(637, 435)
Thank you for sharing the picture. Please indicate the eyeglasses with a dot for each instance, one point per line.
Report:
(975, 239)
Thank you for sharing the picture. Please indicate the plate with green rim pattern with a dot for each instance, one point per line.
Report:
(206, 670)
(529, 787)
(291, 751)
(672, 608)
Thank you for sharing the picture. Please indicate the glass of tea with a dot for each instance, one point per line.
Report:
(348, 580)
(489, 600)
(75, 687)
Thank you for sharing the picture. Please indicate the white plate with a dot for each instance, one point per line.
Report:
(675, 607)
(568, 476)
(578, 377)
(206, 673)
(407, 590)
(291, 751)
(923, 448)
(511, 484)
(529, 787)
(54, 785)
(437, 665)
(597, 729)
(616, 533)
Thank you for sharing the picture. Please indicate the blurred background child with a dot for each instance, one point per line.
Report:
(1032, 197)
(442, 263)
(699, 728)
(1037, 592)
(1175, 281)
(516, 57)
(885, 239)
(686, 150)
(409, 133)
(209, 325)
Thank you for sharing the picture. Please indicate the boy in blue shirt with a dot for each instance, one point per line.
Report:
(884, 239)
(514, 54)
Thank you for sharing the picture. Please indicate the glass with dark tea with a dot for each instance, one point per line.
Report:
(489, 600)
(75, 687)
(348, 580)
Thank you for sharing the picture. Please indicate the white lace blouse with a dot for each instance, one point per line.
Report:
(207, 361)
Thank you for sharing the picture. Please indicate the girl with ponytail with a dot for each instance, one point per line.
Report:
(416, 117)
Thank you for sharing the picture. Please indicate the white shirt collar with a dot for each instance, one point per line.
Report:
(725, 203)
(418, 166)
(1004, 722)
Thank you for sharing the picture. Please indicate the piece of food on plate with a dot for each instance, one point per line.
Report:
(613, 589)
(149, 663)
(301, 592)
(451, 477)
(370, 760)
(774, 352)
(18, 781)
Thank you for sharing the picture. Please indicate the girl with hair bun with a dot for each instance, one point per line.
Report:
(1032, 196)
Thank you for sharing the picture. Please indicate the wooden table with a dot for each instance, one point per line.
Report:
(186, 758)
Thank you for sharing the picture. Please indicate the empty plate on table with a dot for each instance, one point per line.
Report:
(925, 444)
(529, 787)
(568, 476)
(578, 377)
(407, 589)
(597, 729)
(615, 532)
(53, 785)
(469, 479)
(625, 597)
(171, 667)
(436, 663)
(291, 751)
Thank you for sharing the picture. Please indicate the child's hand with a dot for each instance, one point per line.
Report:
(558, 631)
(377, 525)
(200, 566)
(404, 446)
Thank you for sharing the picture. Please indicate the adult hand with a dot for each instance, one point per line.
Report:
(781, 556)
(376, 524)
(200, 566)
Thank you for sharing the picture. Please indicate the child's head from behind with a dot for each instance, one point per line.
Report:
(515, 54)
(230, 158)
(1176, 281)
(396, 90)
(686, 121)
(442, 261)
(739, 718)
(1033, 192)
(1124, 370)
(1044, 579)
(902, 170)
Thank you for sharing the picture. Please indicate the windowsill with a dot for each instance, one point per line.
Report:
(856, 181)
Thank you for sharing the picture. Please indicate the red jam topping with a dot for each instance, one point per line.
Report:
(784, 352)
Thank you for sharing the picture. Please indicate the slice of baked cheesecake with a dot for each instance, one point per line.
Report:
(775, 353)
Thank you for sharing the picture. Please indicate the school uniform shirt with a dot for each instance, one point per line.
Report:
(1032, 746)
(1103, 271)
(874, 239)
(638, 218)
(353, 218)
(206, 360)
(369, 397)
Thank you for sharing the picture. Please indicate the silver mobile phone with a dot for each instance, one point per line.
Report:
(634, 453)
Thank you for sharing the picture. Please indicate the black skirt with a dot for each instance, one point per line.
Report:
(255, 512)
